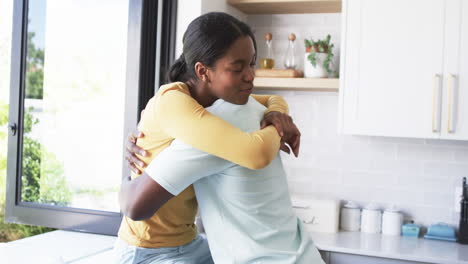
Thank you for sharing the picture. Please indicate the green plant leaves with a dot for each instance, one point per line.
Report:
(312, 58)
(320, 46)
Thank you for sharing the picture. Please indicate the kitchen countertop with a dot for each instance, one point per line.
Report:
(393, 247)
(81, 248)
(58, 247)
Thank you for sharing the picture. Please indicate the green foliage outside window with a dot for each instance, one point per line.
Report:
(35, 70)
(43, 178)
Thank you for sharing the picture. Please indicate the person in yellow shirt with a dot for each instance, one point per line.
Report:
(209, 68)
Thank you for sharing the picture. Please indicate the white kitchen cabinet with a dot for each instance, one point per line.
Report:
(344, 258)
(455, 93)
(341, 258)
(395, 70)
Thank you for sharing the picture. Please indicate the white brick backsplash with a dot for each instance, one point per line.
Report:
(382, 150)
(318, 175)
(417, 175)
(413, 152)
(461, 155)
(397, 140)
(448, 143)
(260, 21)
(397, 166)
(437, 199)
(298, 20)
(442, 154)
(445, 170)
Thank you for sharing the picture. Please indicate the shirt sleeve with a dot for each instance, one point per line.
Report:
(180, 165)
(181, 117)
(273, 103)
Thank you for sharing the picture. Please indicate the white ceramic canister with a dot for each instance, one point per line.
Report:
(371, 219)
(350, 217)
(392, 220)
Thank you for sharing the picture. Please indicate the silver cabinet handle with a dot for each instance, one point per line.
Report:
(436, 104)
(451, 109)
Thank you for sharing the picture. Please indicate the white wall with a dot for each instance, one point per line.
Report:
(222, 6)
(188, 10)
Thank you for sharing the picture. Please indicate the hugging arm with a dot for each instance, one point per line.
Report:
(171, 172)
(141, 197)
(181, 117)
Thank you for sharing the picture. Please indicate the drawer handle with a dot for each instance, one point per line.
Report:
(450, 121)
(436, 104)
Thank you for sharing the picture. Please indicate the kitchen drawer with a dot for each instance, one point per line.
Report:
(341, 258)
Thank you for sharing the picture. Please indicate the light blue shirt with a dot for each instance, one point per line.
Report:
(247, 214)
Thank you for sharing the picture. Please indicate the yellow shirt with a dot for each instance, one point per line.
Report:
(173, 113)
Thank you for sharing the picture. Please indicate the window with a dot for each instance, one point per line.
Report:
(81, 73)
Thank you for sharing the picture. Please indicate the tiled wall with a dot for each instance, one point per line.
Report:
(417, 175)
(316, 26)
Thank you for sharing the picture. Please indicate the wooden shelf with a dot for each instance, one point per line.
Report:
(286, 6)
(301, 84)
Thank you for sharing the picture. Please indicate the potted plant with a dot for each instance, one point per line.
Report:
(318, 57)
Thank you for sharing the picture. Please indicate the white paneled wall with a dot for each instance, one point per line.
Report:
(418, 175)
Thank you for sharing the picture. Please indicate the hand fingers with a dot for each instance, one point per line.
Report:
(290, 134)
(133, 168)
(285, 148)
(288, 126)
(297, 135)
(274, 118)
(279, 127)
(296, 146)
(293, 132)
(133, 148)
(138, 134)
(134, 159)
(131, 138)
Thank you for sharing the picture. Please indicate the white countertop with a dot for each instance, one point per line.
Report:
(394, 247)
(81, 248)
(58, 247)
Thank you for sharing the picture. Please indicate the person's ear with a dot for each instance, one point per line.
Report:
(201, 71)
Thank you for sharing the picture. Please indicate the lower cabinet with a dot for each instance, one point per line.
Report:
(341, 258)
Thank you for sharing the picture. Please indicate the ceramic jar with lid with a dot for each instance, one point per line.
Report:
(371, 219)
(392, 220)
(350, 217)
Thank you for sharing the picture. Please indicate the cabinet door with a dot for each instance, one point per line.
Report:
(341, 258)
(393, 51)
(455, 92)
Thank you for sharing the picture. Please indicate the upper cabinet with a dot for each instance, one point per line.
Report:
(287, 6)
(404, 68)
(455, 94)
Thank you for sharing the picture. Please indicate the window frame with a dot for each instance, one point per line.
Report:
(144, 41)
